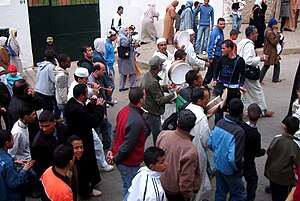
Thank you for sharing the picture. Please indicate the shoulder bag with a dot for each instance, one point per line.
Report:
(123, 52)
(251, 72)
(10, 51)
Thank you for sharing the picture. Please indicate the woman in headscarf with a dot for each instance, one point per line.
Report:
(258, 20)
(285, 14)
(169, 22)
(149, 34)
(126, 65)
(4, 57)
(15, 59)
(187, 17)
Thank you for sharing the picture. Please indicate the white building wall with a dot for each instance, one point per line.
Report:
(134, 9)
(14, 13)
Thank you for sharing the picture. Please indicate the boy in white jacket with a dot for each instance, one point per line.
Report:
(146, 185)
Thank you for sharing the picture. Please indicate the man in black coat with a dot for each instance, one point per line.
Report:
(24, 95)
(81, 119)
(51, 135)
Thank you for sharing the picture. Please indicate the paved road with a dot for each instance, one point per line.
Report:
(277, 97)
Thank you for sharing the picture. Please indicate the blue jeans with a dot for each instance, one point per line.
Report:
(229, 183)
(62, 108)
(153, 124)
(127, 174)
(105, 129)
(251, 180)
(202, 30)
(276, 72)
(236, 22)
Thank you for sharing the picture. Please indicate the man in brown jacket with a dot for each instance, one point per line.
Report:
(182, 177)
(272, 37)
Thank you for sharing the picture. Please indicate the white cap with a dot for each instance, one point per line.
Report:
(81, 72)
(190, 31)
(2, 69)
(160, 40)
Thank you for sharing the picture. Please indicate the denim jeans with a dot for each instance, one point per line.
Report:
(62, 108)
(111, 83)
(251, 180)
(236, 22)
(202, 30)
(153, 124)
(276, 72)
(229, 183)
(105, 129)
(127, 174)
(99, 152)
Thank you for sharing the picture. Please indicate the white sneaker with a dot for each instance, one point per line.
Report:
(115, 101)
(203, 52)
(107, 168)
(95, 193)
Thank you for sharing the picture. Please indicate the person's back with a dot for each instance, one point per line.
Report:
(57, 185)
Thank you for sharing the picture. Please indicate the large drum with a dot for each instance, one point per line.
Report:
(182, 38)
(177, 72)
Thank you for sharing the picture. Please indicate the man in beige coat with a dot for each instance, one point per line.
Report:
(272, 37)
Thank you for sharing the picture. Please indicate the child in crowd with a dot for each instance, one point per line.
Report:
(283, 157)
(11, 180)
(234, 34)
(252, 149)
(12, 75)
(146, 184)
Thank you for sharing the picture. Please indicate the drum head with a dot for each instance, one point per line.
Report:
(182, 38)
(177, 72)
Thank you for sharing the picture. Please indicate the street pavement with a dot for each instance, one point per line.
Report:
(277, 97)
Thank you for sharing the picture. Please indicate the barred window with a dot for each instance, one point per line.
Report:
(34, 3)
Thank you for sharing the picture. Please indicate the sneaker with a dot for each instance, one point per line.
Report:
(114, 101)
(95, 193)
(203, 52)
(107, 168)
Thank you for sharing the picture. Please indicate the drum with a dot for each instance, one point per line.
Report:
(182, 38)
(177, 71)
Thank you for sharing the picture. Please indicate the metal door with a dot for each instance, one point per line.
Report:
(72, 23)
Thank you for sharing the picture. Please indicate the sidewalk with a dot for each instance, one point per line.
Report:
(292, 45)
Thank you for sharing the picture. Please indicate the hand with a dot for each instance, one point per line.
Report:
(210, 61)
(2, 109)
(214, 83)
(109, 91)
(178, 89)
(31, 92)
(100, 101)
(22, 162)
(243, 89)
(29, 165)
(207, 64)
(182, 47)
(212, 112)
(111, 76)
(96, 88)
(171, 86)
(211, 28)
(262, 57)
(109, 158)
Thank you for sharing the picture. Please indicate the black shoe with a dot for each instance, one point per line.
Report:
(124, 89)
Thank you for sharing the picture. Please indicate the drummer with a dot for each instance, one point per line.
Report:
(164, 54)
(192, 58)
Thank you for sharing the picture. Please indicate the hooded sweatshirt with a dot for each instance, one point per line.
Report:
(45, 79)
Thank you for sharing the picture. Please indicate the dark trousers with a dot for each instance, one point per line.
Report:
(153, 125)
(276, 72)
(178, 197)
(48, 101)
(210, 71)
(251, 180)
(279, 192)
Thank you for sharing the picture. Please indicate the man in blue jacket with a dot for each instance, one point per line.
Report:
(227, 141)
(206, 19)
(214, 49)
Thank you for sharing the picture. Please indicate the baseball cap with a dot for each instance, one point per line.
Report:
(12, 68)
(155, 62)
(81, 72)
(49, 39)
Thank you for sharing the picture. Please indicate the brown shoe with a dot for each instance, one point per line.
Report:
(268, 114)
(95, 193)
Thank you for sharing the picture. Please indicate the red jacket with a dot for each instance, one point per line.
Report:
(129, 144)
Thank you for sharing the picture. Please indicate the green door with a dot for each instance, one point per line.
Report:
(72, 23)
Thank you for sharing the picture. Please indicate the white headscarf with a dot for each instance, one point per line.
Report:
(258, 2)
(12, 32)
(3, 39)
(100, 44)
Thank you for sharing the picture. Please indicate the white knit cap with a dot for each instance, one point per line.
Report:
(160, 40)
(81, 72)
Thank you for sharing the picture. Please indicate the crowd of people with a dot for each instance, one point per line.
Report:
(59, 154)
